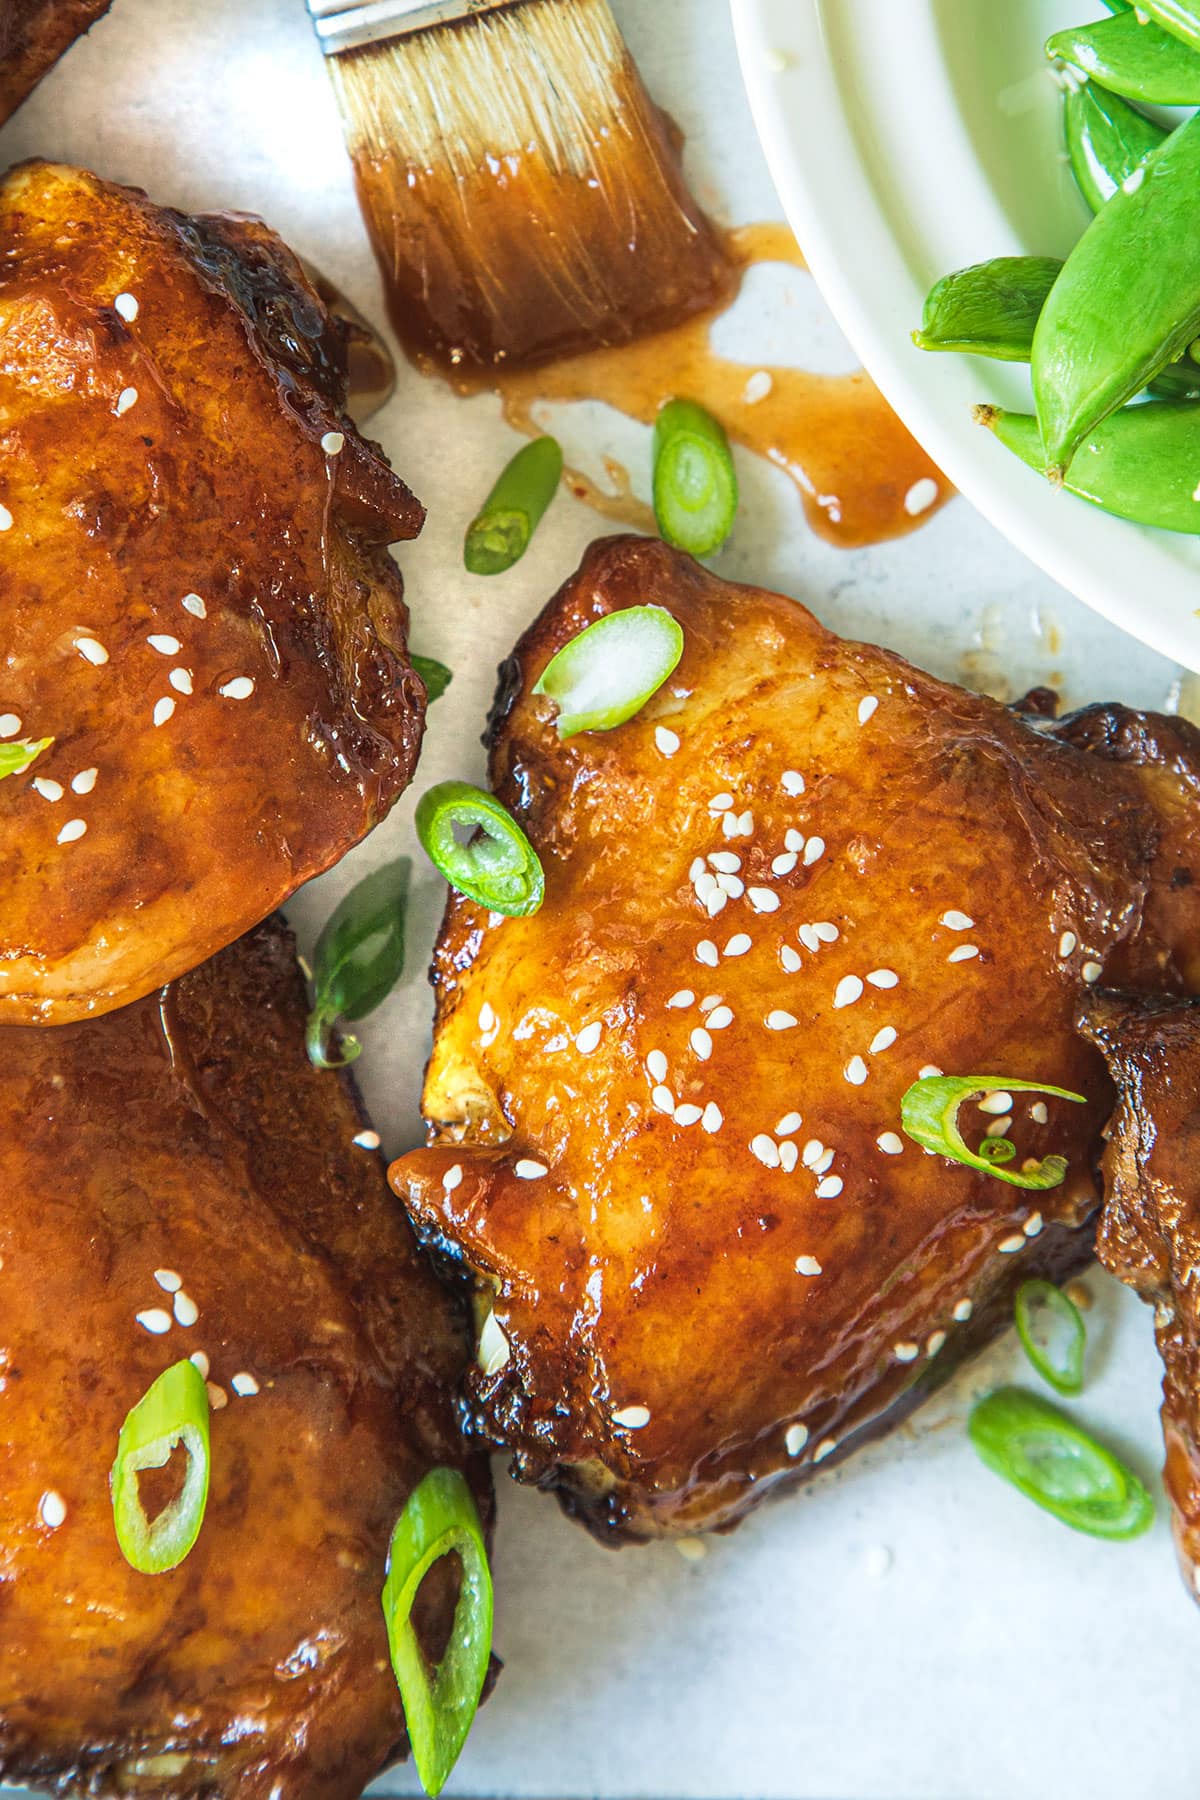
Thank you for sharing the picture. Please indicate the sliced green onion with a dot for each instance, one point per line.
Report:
(1054, 1462)
(610, 669)
(929, 1115)
(358, 960)
(16, 756)
(174, 1410)
(695, 483)
(495, 864)
(439, 1520)
(1053, 1333)
(435, 675)
(500, 532)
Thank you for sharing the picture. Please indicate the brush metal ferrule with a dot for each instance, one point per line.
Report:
(354, 24)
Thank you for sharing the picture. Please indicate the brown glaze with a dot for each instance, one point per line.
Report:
(1150, 1232)
(212, 484)
(33, 35)
(165, 1137)
(654, 1265)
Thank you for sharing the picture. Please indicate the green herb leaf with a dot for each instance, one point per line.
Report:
(440, 1519)
(929, 1115)
(1053, 1333)
(500, 532)
(173, 1411)
(1058, 1465)
(435, 675)
(695, 482)
(17, 755)
(609, 670)
(493, 862)
(358, 960)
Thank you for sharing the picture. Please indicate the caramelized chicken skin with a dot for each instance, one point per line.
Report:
(33, 35)
(188, 1135)
(196, 600)
(664, 1111)
(1150, 1229)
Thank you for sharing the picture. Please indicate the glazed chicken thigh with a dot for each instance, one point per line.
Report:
(177, 1180)
(665, 1110)
(205, 696)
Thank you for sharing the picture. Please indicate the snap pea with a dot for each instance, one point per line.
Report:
(1136, 59)
(1127, 302)
(1179, 17)
(989, 309)
(1107, 139)
(1141, 464)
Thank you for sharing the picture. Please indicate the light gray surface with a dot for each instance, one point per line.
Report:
(999, 1655)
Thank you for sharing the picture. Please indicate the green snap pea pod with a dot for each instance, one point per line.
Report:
(1142, 464)
(1140, 61)
(1127, 302)
(989, 309)
(1107, 139)
(1180, 17)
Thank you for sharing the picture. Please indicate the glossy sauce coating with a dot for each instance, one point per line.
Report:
(665, 1110)
(33, 35)
(153, 1172)
(198, 606)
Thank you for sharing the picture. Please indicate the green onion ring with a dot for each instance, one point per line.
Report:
(435, 676)
(16, 756)
(1053, 1334)
(439, 1519)
(1055, 1463)
(500, 533)
(695, 483)
(929, 1115)
(358, 960)
(498, 867)
(608, 671)
(173, 1410)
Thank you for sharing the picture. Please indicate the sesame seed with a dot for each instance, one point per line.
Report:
(72, 831)
(240, 688)
(487, 1016)
(823, 1163)
(829, 1187)
(1091, 971)
(1011, 1245)
(84, 782)
(998, 1127)
(528, 1170)
(883, 978)
(366, 1140)
(168, 1280)
(127, 306)
(883, 1039)
(890, 1143)
(163, 709)
(154, 1320)
(692, 1549)
(687, 1114)
(792, 782)
(704, 884)
(963, 1311)
(452, 1178)
(244, 1384)
(848, 990)
(793, 839)
(814, 1150)
(701, 1043)
(1067, 943)
(738, 944)
(789, 958)
(164, 643)
(666, 741)
(663, 1099)
(783, 865)
(656, 1065)
(824, 1449)
(906, 1352)
(795, 1438)
(720, 1017)
(920, 496)
(807, 1265)
(6, 519)
(706, 953)
(494, 1348)
(778, 1020)
(633, 1418)
(125, 399)
(789, 1156)
(186, 1310)
(91, 651)
(200, 1361)
(52, 1509)
(866, 708)
(757, 387)
(1033, 1225)
(808, 937)
(716, 901)
(683, 996)
(964, 953)
(813, 850)
(712, 1117)
(790, 1122)
(956, 921)
(856, 1071)
(827, 933)
(737, 824)
(333, 443)
(766, 1150)
(934, 1342)
(217, 1397)
(727, 861)
(1039, 1112)
(49, 790)
(762, 899)
(588, 1038)
(194, 604)
(733, 885)
(10, 724)
(720, 803)
(709, 1001)
(998, 1101)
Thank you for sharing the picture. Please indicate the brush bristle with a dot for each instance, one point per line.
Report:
(523, 193)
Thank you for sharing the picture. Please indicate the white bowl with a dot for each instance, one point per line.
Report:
(911, 137)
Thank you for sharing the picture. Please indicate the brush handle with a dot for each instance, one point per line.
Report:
(353, 24)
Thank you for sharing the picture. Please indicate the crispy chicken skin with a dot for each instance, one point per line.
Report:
(33, 35)
(664, 1113)
(1150, 1228)
(166, 1137)
(198, 607)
